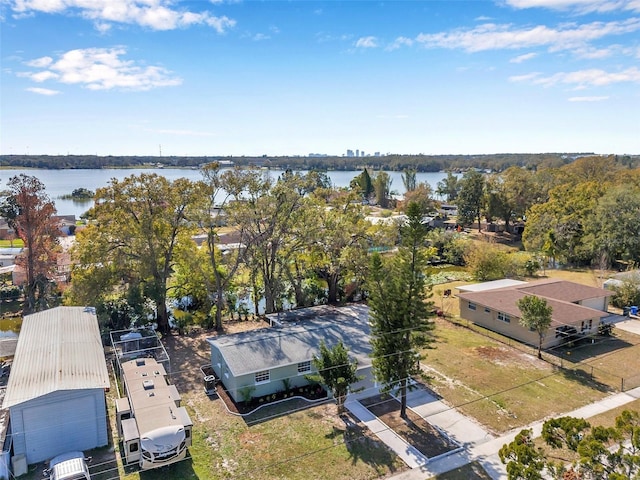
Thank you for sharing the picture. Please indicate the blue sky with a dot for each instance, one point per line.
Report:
(140, 77)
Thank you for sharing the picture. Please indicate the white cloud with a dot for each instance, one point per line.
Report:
(41, 62)
(42, 76)
(524, 78)
(400, 42)
(579, 6)
(523, 58)
(366, 42)
(258, 37)
(43, 91)
(581, 79)
(587, 99)
(491, 36)
(103, 69)
(154, 14)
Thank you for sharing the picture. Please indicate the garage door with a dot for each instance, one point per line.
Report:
(69, 424)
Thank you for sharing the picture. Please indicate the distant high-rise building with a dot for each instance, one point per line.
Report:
(357, 153)
(377, 154)
(349, 153)
(362, 153)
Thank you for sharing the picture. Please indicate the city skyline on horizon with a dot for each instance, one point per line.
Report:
(242, 78)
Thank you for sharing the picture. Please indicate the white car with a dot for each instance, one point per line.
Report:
(68, 466)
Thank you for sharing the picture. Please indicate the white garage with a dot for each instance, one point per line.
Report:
(56, 390)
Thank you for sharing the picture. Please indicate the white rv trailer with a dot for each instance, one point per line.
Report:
(154, 429)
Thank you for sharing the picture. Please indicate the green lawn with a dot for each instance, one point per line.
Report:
(311, 443)
(501, 386)
(17, 243)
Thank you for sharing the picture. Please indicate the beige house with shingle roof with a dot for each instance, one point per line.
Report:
(576, 309)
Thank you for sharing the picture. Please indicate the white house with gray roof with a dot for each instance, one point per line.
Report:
(259, 360)
(56, 390)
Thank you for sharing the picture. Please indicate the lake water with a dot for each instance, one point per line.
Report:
(63, 182)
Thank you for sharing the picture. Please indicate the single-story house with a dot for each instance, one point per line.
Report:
(56, 389)
(576, 309)
(258, 361)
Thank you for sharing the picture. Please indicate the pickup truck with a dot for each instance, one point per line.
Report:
(68, 466)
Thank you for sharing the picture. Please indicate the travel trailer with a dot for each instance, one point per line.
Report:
(154, 429)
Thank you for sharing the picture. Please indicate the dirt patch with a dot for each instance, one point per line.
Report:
(508, 356)
(189, 352)
(415, 430)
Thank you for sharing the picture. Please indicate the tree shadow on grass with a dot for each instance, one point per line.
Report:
(364, 447)
(584, 377)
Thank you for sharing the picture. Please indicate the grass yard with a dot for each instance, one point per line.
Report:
(500, 386)
(16, 243)
(312, 442)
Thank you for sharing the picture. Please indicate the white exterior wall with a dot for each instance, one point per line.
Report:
(601, 303)
(59, 422)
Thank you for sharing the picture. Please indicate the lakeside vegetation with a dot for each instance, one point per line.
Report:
(393, 162)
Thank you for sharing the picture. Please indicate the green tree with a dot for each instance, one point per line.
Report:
(138, 222)
(523, 460)
(28, 210)
(267, 213)
(422, 195)
(400, 318)
(337, 242)
(448, 187)
(382, 188)
(564, 431)
(611, 453)
(409, 179)
(216, 190)
(363, 184)
(335, 370)
(615, 230)
(486, 261)
(471, 198)
(536, 316)
(627, 293)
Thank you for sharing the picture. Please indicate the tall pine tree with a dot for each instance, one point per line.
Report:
(399, 310)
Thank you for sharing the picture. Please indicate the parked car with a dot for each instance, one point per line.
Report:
(68, 466)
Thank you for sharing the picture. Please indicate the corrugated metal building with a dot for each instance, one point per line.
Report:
(56, 390)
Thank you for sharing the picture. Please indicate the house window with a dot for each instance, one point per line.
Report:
(262, 377)
(472, 306)
(503, 317)
(304, 367)
(487, 310)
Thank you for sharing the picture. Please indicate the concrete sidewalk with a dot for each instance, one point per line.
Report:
(486, 452)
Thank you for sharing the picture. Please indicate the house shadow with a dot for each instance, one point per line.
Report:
(587, 349)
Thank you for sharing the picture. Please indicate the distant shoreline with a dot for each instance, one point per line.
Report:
(420, 163)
